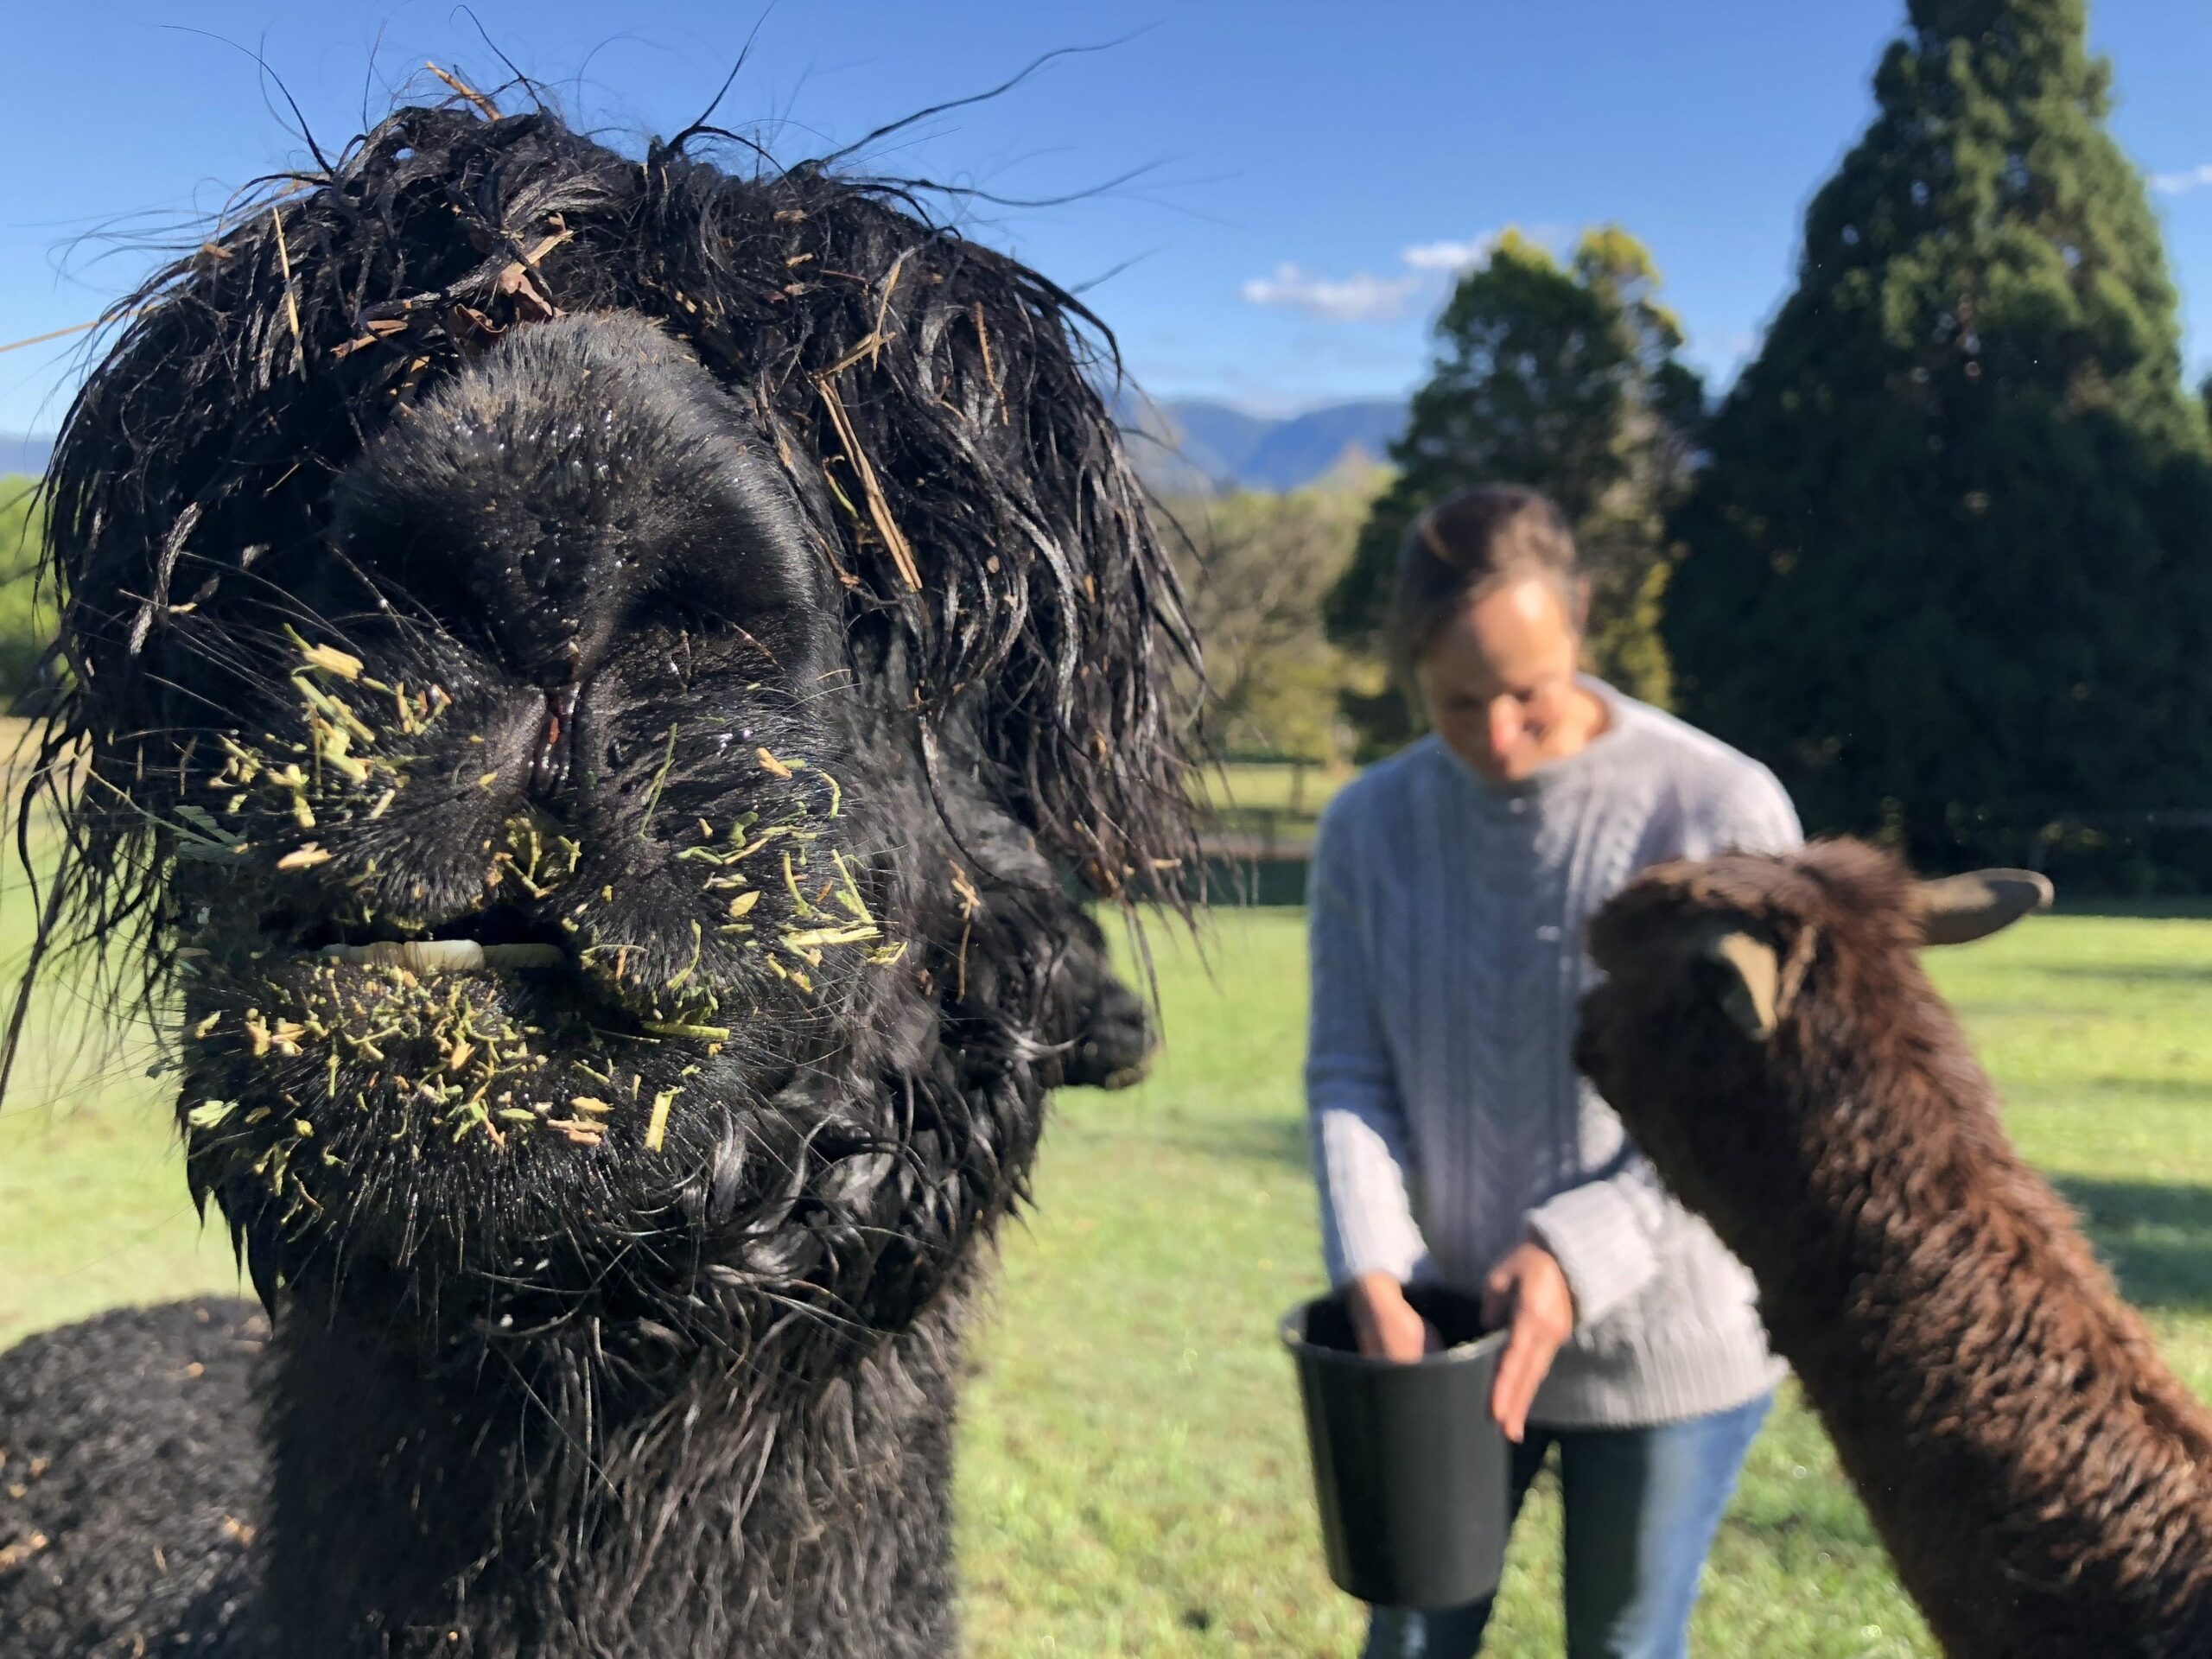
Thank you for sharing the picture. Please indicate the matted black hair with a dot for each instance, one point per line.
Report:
(934, 401)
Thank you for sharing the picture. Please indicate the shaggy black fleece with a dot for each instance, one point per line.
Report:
(94, 1564)
(598, 685)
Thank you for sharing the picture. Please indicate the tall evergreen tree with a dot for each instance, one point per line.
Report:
(1565, 379)
(1942, 573)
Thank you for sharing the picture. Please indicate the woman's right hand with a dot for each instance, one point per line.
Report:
(1384, 1321)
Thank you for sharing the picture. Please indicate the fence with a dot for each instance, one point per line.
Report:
(1262, 861)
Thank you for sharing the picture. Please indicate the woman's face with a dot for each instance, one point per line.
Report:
(1498, 681)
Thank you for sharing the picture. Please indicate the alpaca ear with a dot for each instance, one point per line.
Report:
(1749, 979)
(1962, 908)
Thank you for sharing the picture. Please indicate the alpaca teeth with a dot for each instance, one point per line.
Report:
(447, 956)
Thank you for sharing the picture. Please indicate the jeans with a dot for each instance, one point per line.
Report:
(1641, 1507)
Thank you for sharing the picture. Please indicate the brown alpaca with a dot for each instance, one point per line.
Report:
(1768, 1039)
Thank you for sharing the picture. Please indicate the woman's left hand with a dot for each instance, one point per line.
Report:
(1529, 1288)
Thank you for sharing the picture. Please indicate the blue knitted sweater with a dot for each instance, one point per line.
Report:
(1449, 1123)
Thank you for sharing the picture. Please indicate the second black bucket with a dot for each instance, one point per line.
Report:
(1413, 1476)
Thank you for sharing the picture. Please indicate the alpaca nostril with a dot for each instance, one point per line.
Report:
(553, 761)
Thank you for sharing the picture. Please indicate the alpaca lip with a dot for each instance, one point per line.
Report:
(428, 957)
(499, 939)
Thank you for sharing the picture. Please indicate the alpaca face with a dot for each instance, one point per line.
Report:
(559, 860)
(604, 742)
(1747, 997)
(1671, 1037)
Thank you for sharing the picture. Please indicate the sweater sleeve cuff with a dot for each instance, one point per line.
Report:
(1595, 1234)
(1367, 1218)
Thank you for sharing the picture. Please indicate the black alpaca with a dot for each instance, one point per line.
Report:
(597, 686)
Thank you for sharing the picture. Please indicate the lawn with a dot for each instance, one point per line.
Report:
(1133, 1478)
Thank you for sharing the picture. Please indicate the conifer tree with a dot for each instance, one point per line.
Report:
(1941, 571)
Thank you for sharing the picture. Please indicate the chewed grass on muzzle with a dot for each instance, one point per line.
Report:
(426, 1031)
(597, 690)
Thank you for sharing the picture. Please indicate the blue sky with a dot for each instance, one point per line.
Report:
(1309, 172)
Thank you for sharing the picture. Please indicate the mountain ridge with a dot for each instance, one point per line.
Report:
(1184, 445)
(1181, 446)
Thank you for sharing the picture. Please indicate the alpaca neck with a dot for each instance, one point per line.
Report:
(482, 1515)
(2007, 1419)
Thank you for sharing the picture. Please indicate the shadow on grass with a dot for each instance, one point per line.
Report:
(2156, 1236)
(2018, 1009)
(1278, 1140)
(2177, 907)
(2120, 973)
(2106, 1094)
(2180, 1090)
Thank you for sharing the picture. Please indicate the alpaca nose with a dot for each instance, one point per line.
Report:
(550, 610)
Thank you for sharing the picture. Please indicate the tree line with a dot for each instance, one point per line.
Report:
(1942, 555)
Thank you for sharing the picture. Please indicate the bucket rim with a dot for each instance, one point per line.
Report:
(1288, 1329)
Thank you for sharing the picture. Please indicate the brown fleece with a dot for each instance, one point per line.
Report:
(2031, 1464)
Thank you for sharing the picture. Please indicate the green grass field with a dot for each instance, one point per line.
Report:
(1133, 1478)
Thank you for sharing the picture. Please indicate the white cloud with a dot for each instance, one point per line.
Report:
(2180, 184)
(1360, 297)
(1365, 298)
(1450, 256)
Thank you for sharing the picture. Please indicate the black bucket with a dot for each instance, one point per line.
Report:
(1413, 1478)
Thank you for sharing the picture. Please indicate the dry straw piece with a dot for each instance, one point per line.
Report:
(879, 507)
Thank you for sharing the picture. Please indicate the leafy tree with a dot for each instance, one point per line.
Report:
(1948, 571)
(27, 615)
(1563, 378)
(1256, 567)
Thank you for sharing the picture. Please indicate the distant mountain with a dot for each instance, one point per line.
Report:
(1185, 445)
(1166, 457)
(1214, 440)
(1296, 451)
(21, 455)
(1181, 446)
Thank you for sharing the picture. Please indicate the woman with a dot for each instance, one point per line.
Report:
(1453, 1136)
